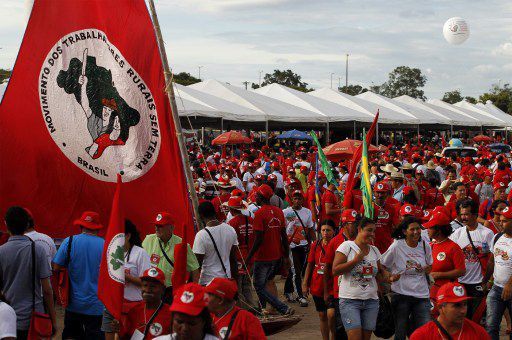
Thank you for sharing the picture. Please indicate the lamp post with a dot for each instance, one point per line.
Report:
(259, 82)
(346, 71)
(199, 67)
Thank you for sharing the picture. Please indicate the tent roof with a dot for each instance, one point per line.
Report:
(495, 114)
(2, 90)
(493, 108)
(482, 119)
(424, 116)
(203, 104)
(332, 111)
(458, 119)
(387, 116)
(274, 110)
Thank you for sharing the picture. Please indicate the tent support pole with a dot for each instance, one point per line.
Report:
(451, 131)
(266, 132)
(377, 134)
(327, 133)
(177, 125)
(354, 137)
(418, 134)
(222, 125)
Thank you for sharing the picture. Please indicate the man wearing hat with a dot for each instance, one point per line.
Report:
(331, 205)
(152, 308)
(485, 212)
(275, 168)
(451, 322)
(397, 183)
(225, 185)
(229, 320)
(84, 312)
(270, 249)
(388, 169)
(312, 195)
(248, 177)
(160, 247)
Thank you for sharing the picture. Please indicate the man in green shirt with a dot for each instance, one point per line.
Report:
(160, 247)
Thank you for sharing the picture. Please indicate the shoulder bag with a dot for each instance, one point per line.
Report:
(63, 284)
(230, 326)
(165, 254)
(443, 330)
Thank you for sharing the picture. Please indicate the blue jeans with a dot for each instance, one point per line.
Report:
(359, 314)
(263, 272)
(495, 309)
(410, 313)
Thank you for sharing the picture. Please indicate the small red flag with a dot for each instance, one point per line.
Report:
(111, 278)
(443, 142)
(179, 274)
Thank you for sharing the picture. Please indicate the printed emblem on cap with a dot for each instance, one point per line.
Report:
(426, 213)
(458, 290)
(354, 213)
(159, 217)
(505, 210)
(408, 209)
(187, 297)
(441, 256)
(155, 329)
(380, 186)
(88, 218)
(502, 184)
(153, 272)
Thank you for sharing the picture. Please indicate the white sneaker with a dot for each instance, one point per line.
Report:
(303, 302)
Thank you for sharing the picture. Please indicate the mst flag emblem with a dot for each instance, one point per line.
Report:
(97, 108)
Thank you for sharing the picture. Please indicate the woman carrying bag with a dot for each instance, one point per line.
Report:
(409, 259)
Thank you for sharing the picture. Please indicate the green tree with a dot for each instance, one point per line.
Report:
(353, 90)
(452, 97)
(4, 74)
(286, 78)
(499, 96)
(404, 80)
(185, 79)
(471, 100)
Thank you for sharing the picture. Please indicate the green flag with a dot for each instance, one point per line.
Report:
(323, 161)
(366, 188)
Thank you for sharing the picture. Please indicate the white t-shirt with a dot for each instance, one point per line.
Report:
(360, 282)
(174, 337)
(249, 178)
(280, 182)
(502, 251)
(225, 237)
(482, 239)
(47, 243)
(7, 321)
(238, 183)
(409, 262)
(292, 222)
(136, 262)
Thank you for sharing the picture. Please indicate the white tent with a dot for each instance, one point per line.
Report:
(496, 115)
(424, 116)
(192, 102)
(332, 111)
(2, 90)
(457, 119)
(274, 110)
(492, 108)
(483, 119)
(387, 116)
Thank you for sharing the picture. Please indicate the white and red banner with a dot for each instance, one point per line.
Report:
(86, 101)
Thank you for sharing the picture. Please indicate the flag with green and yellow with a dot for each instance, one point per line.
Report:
(366, 188)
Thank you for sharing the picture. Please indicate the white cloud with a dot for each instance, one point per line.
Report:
(504, 49)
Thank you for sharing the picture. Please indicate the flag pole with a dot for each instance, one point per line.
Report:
(177, 125)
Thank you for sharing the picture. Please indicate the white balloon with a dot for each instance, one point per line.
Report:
(456, 30)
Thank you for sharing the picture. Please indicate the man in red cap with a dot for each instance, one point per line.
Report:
(451, 322)
(485, 212)
(313, 205)
(160, 247)
(331, 205)
(270, 248)
(275, 168)
(248, 177)
(225, 185)
(150, 317)
(230, 321)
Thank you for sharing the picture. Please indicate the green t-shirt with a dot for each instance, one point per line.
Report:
(150, 244)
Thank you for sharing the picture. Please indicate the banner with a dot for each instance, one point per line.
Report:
(326, 168)
(366, 187)
(86, 101)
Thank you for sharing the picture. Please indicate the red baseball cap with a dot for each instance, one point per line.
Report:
(297, 193)
(303, 168)
(437, 219)
(451, 292)
(259, 177)
(163, 218)
(321, 174)
(348, 215)
(381, 187)
(507, 212)
(224, 288)
(237, 193)
(265, 191)
(407, 190)
(189, 299)
(89, 220)
(407, 210)
(154, 274)
(290, 170)
(427, 214)
(234, 202)
(500, 185)
(272, 177)
(275, 164)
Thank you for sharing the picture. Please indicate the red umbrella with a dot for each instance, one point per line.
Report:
(482, 138)
(231, 137)
(345, 149)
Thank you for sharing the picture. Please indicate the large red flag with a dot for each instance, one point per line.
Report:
(179, 274)
(86, 100)
(111, 278)
(356, 157)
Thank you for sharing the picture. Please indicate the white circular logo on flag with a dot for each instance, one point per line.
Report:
(97, 108)
(115, 258)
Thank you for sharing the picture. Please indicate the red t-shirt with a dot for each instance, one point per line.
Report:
(447, 256)
(138, 316)
(245, 326)
(357, 199)
(501, 176)
(330, 197)
(450, 206)
(330, 252)
(317, 258)
(270, 220)
(433, 198)
(243, 226)
(470, 331)
(485, 209)
(385, 218)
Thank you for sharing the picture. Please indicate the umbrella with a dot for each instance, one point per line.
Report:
(499, 147)
(345, 149)
(231, 137)
(482, 138)
(295, 134)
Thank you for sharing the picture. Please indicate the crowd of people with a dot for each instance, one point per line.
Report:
(437, 246)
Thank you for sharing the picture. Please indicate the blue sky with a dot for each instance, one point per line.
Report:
(233, 40)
